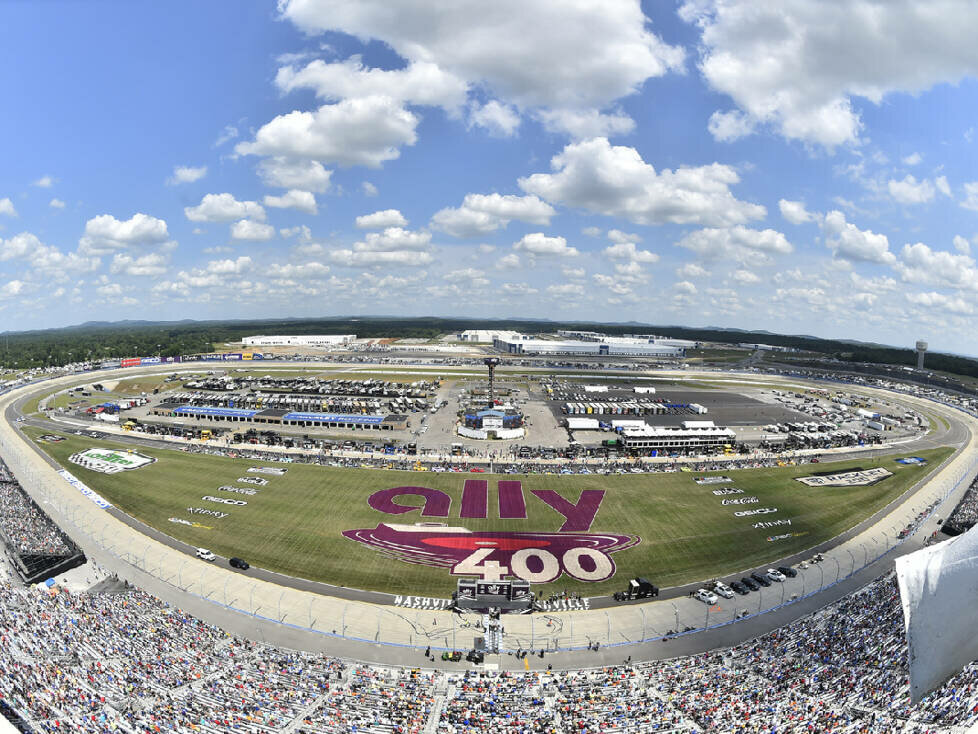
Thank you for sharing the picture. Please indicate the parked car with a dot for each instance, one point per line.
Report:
(750, 583)
(775, 575)
(723, 590)
(707, 597)
(788, 571)
(205, 554)
(761, 578)
(739, 588)
(239, 563)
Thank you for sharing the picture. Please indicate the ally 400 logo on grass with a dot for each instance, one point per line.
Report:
(537, 557)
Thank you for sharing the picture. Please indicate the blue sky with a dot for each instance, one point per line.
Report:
(803, 168)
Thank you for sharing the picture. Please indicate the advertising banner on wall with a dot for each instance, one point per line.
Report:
(130, 362)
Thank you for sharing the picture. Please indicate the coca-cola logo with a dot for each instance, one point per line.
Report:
(533, 556)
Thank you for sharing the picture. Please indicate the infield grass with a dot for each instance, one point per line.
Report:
(294, 524)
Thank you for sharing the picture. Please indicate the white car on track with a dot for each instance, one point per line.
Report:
(775, 575)
(205, 554)
(707, 597)
(723, 590)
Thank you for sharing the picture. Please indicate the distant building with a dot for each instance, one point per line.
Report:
(304, 340)
(614, 347)
(486, 335)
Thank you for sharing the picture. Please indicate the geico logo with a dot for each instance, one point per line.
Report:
(741, 501)
(223, 501)
(758, 511)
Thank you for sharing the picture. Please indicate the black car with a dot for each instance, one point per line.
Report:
(239, 563)
(761, 579)
(788, 571)
(750, 583)
(739, 588)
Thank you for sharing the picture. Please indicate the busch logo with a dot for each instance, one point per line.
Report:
(536, 557)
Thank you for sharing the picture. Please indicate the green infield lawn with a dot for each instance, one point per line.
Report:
(293, 524)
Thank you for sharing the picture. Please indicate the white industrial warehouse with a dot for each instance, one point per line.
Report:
(615, 346)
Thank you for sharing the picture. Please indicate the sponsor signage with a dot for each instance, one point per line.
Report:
(758, 511)
(273, 470)
(181, 521)
(912, 461)
(712, 480)
(149, 360)
(534, 557)
(859, 478)
(741, 501)
(224, 500)
(728, 490)
(130, 362)
(232, 357)
(205, 511)
(257, 481)
(239, 490)
(81, 487)
(108, 461)
(764, 525)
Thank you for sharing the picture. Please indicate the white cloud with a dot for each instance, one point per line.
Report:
(913, 159)
(499, 120)
(363, 131)
(736, 243)
(224, 208)
(962, 245)
(573, 273)
(971, 196)
(294, 173)
(544, 54)
(303, 201)
(366, 259)
(484, 213)
(420, 83)
(920, 264)
(592, 231)
(538, 243)
(393, 238)
(684, 286)
(369, 189)
(910, 190)
(46, 259)
(381, 220)
(795, 212)
(7, 207)
(941, 302)
(304, 271)
(105, 234)
(18, 246)
(519, 289)
(56, 204)
(508, 262)
(628, 251)
(942, 185)
(186, 174)
(230, 132)
(851, 243)
(302, 232)
(44, 182)
(247, 229)
(729, 126)
(745, 277)
(12, 289)
(615, 181)
(151, 264)
(565, 290)
(584, 124)
(691, 270)
(619, 237)
(797, 65)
